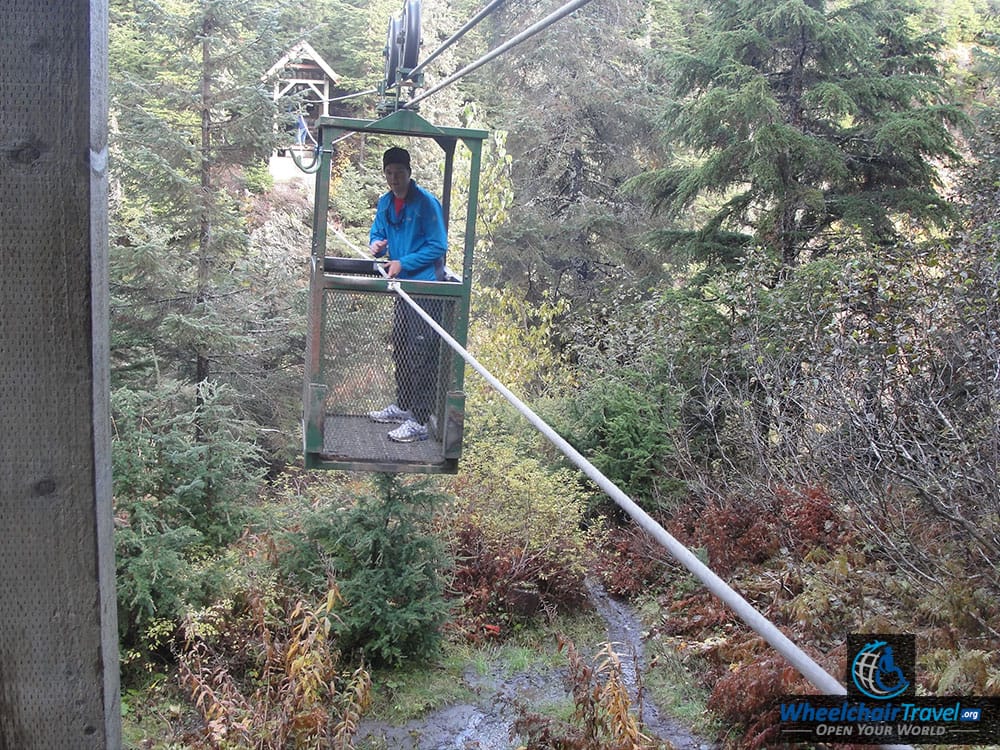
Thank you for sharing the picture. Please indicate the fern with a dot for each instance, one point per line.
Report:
(289, 692)
(602, 717)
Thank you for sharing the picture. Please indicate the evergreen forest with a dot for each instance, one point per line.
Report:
(743, 254)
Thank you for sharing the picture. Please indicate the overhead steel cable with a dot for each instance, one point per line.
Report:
(526, 34)
(345, 97)
(456, 36)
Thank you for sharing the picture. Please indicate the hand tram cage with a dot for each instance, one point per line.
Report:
(349, 359)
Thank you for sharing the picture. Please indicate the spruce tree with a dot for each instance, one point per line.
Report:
(204, 286)
(806, 126)
(577, 109)
(350, 35)
(193, 122)
(391, 571)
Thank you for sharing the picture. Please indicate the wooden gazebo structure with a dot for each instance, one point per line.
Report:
(303, 72)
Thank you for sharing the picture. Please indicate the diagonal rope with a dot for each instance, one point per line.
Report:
(799, 659)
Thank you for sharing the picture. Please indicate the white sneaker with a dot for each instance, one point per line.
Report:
(391, 414)
(408, 432)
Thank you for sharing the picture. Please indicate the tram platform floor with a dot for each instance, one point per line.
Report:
(357, 438)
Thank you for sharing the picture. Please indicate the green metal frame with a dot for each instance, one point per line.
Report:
(409, 124)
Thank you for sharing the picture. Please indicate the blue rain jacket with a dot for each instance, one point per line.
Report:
(417, 237)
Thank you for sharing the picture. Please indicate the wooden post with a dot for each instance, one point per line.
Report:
(58, 633)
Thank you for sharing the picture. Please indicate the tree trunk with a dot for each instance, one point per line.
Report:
(202, 369)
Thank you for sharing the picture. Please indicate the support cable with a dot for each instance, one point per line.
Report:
(455, 37)
(526, 34)
(344, 97)
(804, 663)
(314, 166)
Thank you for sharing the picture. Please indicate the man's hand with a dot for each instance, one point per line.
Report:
(378, 247)
(394, 268)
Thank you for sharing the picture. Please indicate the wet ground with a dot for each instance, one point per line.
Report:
(487, 724)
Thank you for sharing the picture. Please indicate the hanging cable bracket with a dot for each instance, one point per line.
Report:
(402, 50)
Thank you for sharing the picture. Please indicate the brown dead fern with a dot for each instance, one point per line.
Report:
(291, 691)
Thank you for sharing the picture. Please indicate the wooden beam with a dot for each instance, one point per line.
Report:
(58, 634)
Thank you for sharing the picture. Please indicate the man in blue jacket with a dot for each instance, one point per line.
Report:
(409, 227)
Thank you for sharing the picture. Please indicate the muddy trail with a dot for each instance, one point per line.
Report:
(487, 723)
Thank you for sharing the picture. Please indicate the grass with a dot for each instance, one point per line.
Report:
(673, 685)
(152, 717)
(559, 710)
(675, 689)
(410, 692)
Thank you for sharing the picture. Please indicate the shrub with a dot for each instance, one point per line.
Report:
(352, 196)
(622, 423)
(747, 695)
(732, 532)
(184, 467)
(693, 615)
(264, 672)
(389, 566)
(257, 179)
(808, 518)
(376, 543)
(601, 718)
(972, 672)
(304, 523)
(515, 535)
(632, 563)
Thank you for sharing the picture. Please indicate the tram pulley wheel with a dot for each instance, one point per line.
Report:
(402, 44)
(391, 53)
(410, 26)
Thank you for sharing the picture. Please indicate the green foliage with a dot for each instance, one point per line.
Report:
(642, 409)
(961, 21)
(788, 410)
(184, 470)
(516, 535)
(515, 340)
(353, 195)
(495, 200)
(622, 423)
(349, 34)
(572, 232)
(192, 124)
(854, 364)
(389, 567)
(258, 179)
(173, 76)
(911, 354)
(811, 123)
(971, 672)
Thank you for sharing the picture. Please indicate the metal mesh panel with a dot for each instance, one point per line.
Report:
(377, 351)
(356, 359)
